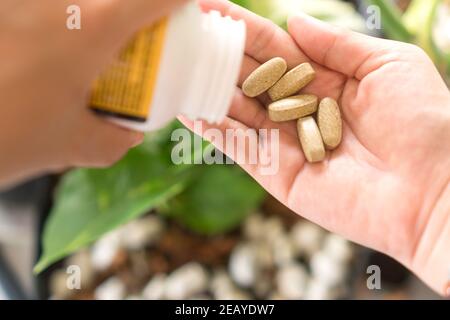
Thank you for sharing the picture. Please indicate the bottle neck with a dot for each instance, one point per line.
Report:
(214, 79)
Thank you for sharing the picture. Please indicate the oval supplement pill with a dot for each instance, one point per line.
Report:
(310, 139)
(264, 77)
(292, 82)
(330, 123)
(292, 108)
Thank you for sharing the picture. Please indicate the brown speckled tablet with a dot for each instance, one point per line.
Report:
(310, 139)
(292, 82)
(292, 108)
(264, 77)
(330, 123)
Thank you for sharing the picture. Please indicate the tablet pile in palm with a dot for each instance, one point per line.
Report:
(319, 123)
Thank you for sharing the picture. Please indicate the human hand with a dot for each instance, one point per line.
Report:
(46, 76)
(388, 184)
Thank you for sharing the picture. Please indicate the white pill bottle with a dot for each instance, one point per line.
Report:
(185, 64)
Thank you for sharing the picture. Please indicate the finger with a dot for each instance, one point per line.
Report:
(100, 143)
(265, 40)
(347, 52)
(249, 65)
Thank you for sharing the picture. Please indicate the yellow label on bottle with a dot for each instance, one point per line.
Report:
(126, 88)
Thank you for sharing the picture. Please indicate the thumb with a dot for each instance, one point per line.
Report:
(338, 49)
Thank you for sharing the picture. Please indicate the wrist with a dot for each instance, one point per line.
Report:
(431, 257)
(431, 261)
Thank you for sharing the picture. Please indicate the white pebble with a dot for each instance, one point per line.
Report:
(306, 238)
(253, 227)
(111, 289)
(223, 288)
(273, 228)
(221, 284)
(326, 269)
(264, 265)
(189, 280)
(155, 288)
(243, 265)
(264, 255)
(105, 250)
(82, 259)
(319, 290)
(282, 250)
(338, 248)
(141, 232)
(258, 228)
(58, 285)
(292, 281)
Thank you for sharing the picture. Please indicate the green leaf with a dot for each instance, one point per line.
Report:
(391, 20)
(91, 202)
(242, 3)
(217, 200)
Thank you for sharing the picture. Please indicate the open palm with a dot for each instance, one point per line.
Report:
(380, 187)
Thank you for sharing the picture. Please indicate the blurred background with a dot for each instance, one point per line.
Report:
(149, 229)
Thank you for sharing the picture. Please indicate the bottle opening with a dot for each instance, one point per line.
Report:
(219, 63)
